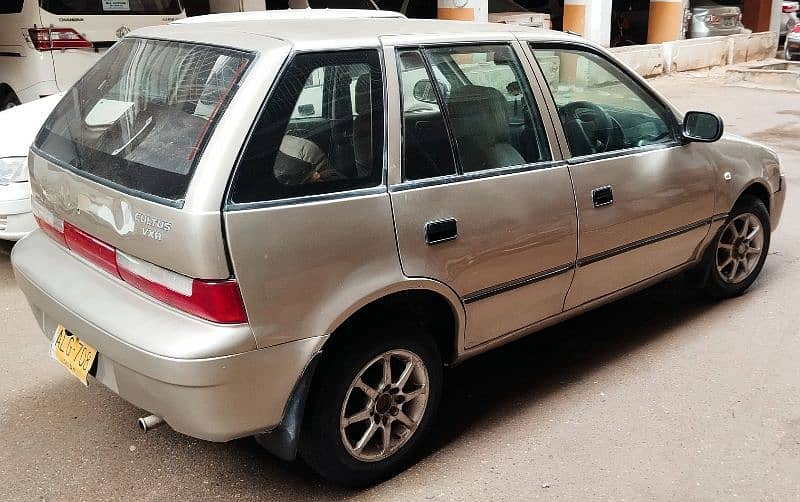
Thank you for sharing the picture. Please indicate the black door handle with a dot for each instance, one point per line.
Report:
(441, 231)
(602, 196)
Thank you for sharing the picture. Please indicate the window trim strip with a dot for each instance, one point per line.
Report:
(475, 175)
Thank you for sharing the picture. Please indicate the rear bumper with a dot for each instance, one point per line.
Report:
(207, 381)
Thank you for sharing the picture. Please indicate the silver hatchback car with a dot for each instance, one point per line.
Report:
(288, 228)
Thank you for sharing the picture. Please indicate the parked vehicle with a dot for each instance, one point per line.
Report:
(714, 19)
(791, 47)
(18, 128)
(788, 17)
(45, 45)
(289, 227)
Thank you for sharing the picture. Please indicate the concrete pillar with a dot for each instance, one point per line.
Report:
(464, 10)
(597, 27)
(665, 23)
(575, 16)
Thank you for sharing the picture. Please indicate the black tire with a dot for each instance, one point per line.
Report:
(8, 100)
(321, 443)
(715, 285)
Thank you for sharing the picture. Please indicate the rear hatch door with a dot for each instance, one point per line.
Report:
(118, 154)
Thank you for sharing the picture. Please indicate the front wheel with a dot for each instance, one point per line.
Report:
(373, 406)
(739, 250)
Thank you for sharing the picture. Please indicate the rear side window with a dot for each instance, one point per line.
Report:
(140, 118)
(98, 7)
(321, 130)
(11, 6)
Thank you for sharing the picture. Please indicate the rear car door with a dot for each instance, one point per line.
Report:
(645, 200)
(308, 219)
(483, 204)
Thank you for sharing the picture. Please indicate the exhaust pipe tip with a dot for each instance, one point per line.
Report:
(150, 422)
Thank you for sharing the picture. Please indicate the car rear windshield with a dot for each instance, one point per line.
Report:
(140, 118)
(99, 7)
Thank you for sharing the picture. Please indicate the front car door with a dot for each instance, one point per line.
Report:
(484, 204)
(645, 200)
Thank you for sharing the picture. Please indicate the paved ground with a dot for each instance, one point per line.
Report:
(659, 396)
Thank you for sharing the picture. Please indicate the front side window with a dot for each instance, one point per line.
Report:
(140, 118)
(601, 108)
(321, 130)
(494, 119)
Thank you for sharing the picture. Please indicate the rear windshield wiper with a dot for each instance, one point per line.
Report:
(128, 143)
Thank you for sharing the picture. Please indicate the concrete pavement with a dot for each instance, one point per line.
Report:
(662, 395)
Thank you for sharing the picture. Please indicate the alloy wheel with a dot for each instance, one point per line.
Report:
(739, 248)
(384, 405)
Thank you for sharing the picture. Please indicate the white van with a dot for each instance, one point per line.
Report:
(45, 45)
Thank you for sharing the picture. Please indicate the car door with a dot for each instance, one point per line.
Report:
(483, 204)
(645, 200)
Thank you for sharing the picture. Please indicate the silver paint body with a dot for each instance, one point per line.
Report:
(526, 255)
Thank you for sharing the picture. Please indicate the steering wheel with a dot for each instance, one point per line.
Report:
(588, 126)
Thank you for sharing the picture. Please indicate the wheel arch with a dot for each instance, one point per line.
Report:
(757, 189)
(430, 300)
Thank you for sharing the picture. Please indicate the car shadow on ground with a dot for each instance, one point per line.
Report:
(490, 388)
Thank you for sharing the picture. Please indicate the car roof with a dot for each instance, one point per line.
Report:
(290, 14)
(326, 31)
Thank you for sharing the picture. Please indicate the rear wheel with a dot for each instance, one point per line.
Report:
(373, 405)
(739, 250)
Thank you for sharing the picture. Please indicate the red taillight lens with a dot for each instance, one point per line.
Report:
(217, 301)
(94, 250)
(49, 39)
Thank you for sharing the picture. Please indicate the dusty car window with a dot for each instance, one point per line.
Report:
(321, 130)
(601, 108)
(140, 118)
(427, 151)
(493, 117)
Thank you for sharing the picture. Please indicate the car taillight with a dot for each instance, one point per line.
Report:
(94, 250)
(214, 300)
(49, 39)
(218, 301)
(52, 226)
(789, 8)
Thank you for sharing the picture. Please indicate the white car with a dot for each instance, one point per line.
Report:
(18, 129)
(46, 45)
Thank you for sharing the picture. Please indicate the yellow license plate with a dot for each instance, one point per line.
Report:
(74, 354)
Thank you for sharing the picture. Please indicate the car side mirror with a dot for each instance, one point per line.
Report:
(702, 126)
(423, 91)
(306, 110)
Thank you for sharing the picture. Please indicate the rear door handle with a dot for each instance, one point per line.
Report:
(602, 196)
(441, 231)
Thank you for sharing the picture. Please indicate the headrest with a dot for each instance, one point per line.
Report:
(479, 112)
(363, 95)
(297, 158)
